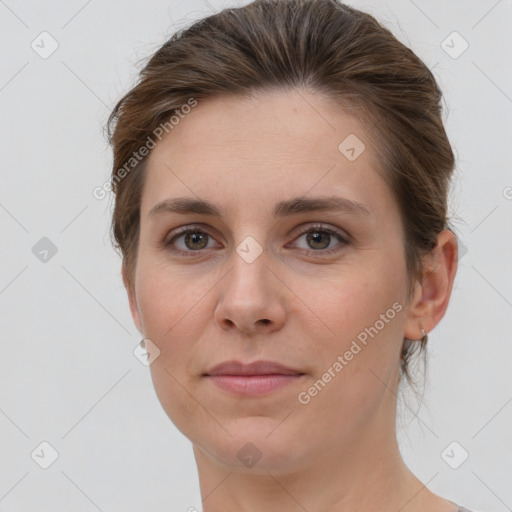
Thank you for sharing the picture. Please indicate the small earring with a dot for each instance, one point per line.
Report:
(424, 338)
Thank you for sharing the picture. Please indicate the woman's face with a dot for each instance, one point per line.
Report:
(272, 277)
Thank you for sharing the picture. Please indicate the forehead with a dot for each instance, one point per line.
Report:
(268, 145)
(310, 122)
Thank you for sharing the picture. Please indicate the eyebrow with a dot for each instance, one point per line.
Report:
(186, 205)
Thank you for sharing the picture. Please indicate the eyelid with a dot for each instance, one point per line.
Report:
(183, 230)
(344, 237)
(324, 227)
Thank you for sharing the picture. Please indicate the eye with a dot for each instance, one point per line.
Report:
(189, 240)
(318, 238)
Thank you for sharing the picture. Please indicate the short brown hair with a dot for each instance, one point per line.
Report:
(323, 46)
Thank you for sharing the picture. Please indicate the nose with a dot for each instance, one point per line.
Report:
(251, 298)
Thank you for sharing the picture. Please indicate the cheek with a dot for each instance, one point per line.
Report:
(361, 321)
(173, 314)
(355, 301)
(172, 310)
(166, 297)
(356, 364)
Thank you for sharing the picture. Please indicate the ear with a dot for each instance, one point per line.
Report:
(132, 299)
(432, 294)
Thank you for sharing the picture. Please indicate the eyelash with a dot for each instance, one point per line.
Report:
(344, 240)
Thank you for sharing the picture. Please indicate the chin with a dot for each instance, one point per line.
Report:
(251, 449)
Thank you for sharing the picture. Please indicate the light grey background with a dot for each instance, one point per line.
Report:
(67, 372)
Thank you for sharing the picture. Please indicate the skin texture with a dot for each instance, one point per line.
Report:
(294, 304)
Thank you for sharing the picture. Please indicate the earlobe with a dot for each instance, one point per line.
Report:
(132, 300)
(432, 294)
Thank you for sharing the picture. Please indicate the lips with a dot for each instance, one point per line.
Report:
(255, 368)
(254, 379)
